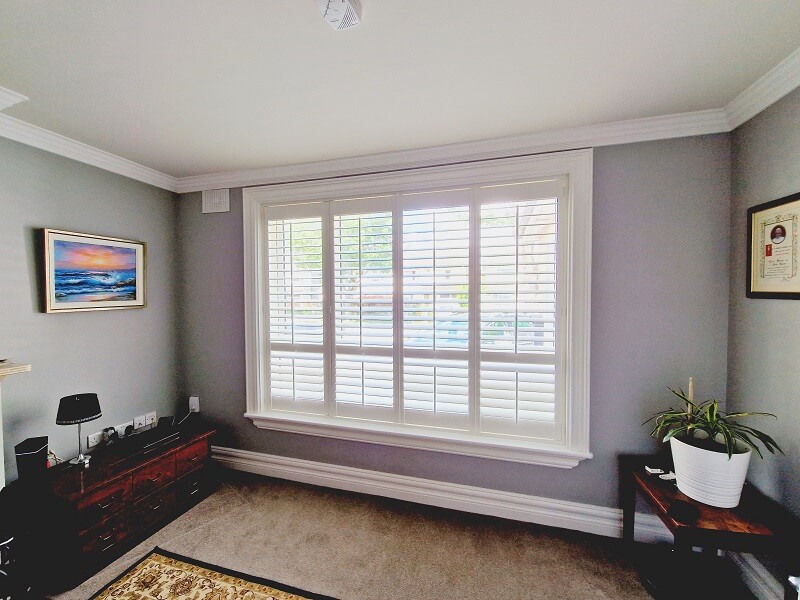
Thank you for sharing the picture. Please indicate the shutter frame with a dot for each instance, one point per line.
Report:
(578, 167)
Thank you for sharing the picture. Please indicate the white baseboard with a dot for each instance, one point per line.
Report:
(589, 518)
(756, 576)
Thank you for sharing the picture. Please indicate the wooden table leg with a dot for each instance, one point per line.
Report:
(627, 492)
(791, 586)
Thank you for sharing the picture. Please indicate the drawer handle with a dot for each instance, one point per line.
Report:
(192, 458)
(155, 506)
(111, 545)
(105, 538)
(156, 478)
(111, 501)
(194, 491)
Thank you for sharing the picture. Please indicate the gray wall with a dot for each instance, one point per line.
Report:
(764, 345)
(659, 315)
(127, 356)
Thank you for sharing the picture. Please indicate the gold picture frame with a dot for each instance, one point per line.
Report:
(92, 272)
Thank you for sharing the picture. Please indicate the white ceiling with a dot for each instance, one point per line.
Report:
(189, 87)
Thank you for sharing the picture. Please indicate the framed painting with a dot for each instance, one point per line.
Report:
(773, 269)
(92, 272)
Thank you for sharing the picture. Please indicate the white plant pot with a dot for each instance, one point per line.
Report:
(709, 477)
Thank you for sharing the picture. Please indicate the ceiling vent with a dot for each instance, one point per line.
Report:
(341, 14)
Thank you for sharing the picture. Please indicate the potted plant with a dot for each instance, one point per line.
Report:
(711, 449)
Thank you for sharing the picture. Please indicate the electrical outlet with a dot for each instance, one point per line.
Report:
(150, 418)
(94, 439)
(194, 403)
(121, 428)
(139, 422)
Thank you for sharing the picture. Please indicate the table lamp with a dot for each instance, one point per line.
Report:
(78, 408)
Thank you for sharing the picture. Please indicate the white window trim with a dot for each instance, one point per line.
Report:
(577, 166)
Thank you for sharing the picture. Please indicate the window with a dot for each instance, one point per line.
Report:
(444, 308)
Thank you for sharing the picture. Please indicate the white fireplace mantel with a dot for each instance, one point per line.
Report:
(6, 369)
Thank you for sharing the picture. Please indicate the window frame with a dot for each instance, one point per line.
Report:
(574, 243)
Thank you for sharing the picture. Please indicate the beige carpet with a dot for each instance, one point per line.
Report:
(357, 547)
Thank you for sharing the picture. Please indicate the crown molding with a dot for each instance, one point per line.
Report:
(10, 98)
(44, 139)
(618, 132)
(768, 89)
(774, 85)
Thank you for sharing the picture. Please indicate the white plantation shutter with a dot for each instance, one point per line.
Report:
(435, 250)
(295, 311)
(478, 349)
(363, 314)
(518, 278)
(441, 312)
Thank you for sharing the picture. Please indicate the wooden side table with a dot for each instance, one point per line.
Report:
(757, 525)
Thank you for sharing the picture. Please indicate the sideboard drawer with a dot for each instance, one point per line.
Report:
(148, 511)
(103, 503)
(155, 476)
(105, 536)
(193, 486)
(191, 457)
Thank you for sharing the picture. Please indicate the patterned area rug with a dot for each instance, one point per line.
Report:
(162, 575)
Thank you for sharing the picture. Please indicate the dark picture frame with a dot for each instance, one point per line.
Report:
(85, 272)
(773, 252)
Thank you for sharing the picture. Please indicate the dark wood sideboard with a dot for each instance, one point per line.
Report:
(87, 517)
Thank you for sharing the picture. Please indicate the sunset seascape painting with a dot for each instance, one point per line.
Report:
(93, 272)
(88, 271)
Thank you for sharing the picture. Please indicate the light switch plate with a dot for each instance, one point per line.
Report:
(139, 422)
(194, 403)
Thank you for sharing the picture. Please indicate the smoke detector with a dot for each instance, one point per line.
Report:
(341, 14)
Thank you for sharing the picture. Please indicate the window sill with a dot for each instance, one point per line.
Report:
(528, 452)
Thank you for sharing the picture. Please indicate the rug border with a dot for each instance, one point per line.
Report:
(225, 571)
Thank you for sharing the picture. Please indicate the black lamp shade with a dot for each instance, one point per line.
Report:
(78, 408)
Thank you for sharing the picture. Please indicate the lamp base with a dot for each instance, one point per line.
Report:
(81, 459)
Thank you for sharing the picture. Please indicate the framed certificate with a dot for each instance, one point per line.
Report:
(773, 270)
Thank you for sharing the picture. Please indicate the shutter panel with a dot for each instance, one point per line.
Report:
(295, 313)
(296, 380)
(435, 316)
(363, 321)
(435, 392)
(436, 278)
(517, 322)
